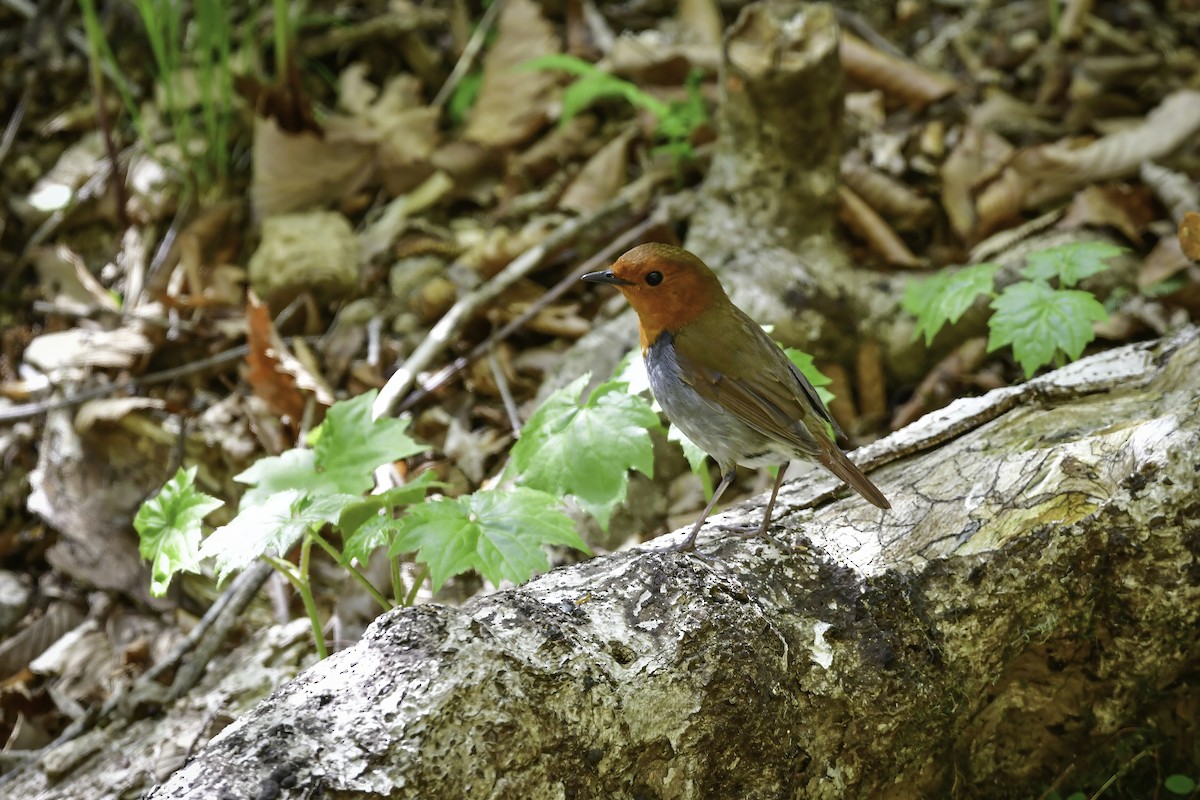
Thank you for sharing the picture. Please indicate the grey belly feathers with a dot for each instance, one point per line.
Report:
(722, 435)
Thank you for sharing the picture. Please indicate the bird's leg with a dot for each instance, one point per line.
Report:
(771, 503)
(689, 543)
(745, 531)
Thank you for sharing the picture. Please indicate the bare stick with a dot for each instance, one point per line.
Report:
(606, 254)
(467, 59)
(448, 327)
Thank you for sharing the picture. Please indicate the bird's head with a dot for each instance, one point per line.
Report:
(667, 286)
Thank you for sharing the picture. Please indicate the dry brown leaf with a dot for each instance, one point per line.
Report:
(999, 204)
(1164, 262)
(514, 103)
(80, 348)
(859, 217)
(899, 78)
(266, 375)
(978, 156)
(1189, 235)
(894, 200)
(297, 171)
(701, 21)
(1055, 170)
(549, 153)
(1124, 208)
(650, 59)
(601, 178)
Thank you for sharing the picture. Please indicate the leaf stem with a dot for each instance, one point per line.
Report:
(355, 573)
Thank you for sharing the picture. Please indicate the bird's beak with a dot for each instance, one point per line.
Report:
(606, 276)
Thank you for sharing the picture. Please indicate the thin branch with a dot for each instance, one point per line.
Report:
(449, 326)
(467, 59)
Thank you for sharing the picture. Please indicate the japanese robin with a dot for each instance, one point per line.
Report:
(721, 379)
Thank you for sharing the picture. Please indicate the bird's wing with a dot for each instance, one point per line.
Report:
(778, 402)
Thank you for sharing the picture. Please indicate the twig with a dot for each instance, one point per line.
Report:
(510, 405)
(217, 624)
(467, 59)
(14, 122)
(27, 410)
(447, 328)
(606, 254)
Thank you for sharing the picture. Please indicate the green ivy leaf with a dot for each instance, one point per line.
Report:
(363, 523)
(168, 527)
(498, 533)
(1039, 321)
(1070, 263)
(586, 449)
(291, 469)
(946, 296)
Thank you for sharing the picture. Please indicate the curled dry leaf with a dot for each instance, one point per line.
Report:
(978, 156)
(1127, 209)
(1164, 262)
(601, 178)
(299, 171)
(499, 246)
(549, 153)
(900, 79)
(1055, 170)
(275, 374)
(893, 199)
(1176, 190)
(86, 348)
(514, 103)
(63, 276)
(859, 217)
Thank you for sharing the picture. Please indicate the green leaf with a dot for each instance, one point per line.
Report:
(348, 446)
(268, 528)
(168, 527)
(586, 449)
(352, 445)
(594, 84)
(371, 505)
(694, 453)
(464, 96)
(292, 469)
(946, 296)
(1070, 263)
(498, 533)
(804, 362)
(1179, 784)
(373, 533)
(1039, 321)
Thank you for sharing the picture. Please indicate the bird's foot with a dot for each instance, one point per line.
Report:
(688, 547)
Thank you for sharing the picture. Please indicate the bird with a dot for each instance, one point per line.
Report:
(721, 379)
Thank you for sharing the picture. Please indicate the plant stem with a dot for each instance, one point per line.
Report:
(397, 578)
(355, 573)
(299, 581)
(416, 584)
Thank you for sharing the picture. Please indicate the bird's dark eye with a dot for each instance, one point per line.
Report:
(654, 278)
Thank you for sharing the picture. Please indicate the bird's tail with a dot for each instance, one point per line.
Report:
(836, 462)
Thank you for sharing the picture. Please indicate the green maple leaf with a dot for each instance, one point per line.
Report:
(348, 447)
(364, 524)
(168, 527)
(271, 528)
(586, 449)
(804, 362)
(1070, 263)
(1038, 321)
(498, 533)
(946, 296)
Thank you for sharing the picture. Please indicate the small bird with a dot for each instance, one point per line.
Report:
(721, 379)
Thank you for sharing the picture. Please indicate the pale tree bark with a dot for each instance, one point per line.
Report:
(1034, 589)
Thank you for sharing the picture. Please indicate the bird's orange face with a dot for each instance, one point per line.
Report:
(668, 287)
